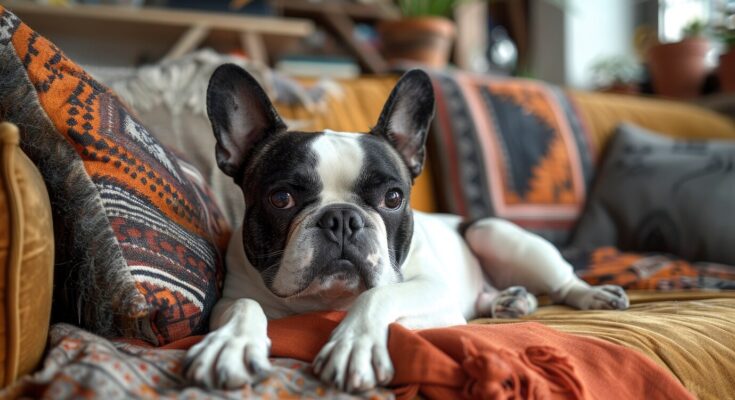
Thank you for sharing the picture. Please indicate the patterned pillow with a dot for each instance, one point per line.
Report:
(656, 193)
(139, 240)
(510, 148)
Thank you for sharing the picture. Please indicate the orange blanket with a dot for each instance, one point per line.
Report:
(519, 360)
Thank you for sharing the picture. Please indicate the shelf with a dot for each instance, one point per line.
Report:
(198, 24)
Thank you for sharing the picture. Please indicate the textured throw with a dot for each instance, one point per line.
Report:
(505, 361)
(139, 239)
(649, 271)
(510, 148)
(82, 365)
(180, 84)
(510, 361)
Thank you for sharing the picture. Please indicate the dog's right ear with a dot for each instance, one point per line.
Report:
(241, 116)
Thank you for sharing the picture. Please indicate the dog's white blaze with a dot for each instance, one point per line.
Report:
(339, 163)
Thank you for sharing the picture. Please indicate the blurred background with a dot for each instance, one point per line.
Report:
(674, 48)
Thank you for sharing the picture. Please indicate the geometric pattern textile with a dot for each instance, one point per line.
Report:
(140, 242)
(510, 148)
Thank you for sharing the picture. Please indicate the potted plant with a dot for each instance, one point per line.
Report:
(679, 69)
(616, 74)
(725, 31)
(424, 35)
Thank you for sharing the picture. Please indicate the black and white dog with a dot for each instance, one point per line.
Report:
(328, 226)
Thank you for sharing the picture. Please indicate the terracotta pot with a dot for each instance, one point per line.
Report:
(726, 71)
(424, 40)
(678, 69)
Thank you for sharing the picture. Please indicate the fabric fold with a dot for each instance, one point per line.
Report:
(520, 360)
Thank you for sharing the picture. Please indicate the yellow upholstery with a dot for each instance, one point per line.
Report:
(602, 112)
(26, 260)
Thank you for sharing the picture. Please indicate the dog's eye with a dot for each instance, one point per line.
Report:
(281, 199)
(393, 199)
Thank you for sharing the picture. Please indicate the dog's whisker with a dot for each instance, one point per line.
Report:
(272, 254)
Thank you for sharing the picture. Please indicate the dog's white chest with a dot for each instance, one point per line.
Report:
(438, 251)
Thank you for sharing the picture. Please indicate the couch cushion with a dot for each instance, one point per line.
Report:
(140, 241)
(601, 113)
(510, 148)
(26, 260)
(655, 193)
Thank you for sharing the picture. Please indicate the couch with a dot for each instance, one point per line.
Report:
(690, 333)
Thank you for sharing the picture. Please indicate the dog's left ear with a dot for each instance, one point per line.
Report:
(406, 116)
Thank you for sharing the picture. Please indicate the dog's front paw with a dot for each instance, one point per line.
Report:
(224, 360)
(356, 357)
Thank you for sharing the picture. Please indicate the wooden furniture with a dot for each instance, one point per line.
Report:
(339, 17)
(189, 29)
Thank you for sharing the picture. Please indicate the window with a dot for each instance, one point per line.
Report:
(675, 15)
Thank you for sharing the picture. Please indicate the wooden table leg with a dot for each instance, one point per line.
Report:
(188, 41)
(254, 46)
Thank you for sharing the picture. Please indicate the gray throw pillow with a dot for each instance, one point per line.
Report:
(658, 194)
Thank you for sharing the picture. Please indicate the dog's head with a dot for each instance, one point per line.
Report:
(327, 214)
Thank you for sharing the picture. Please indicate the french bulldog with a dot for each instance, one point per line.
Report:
(328, 226)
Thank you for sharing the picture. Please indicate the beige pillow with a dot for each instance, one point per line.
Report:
(26, 260)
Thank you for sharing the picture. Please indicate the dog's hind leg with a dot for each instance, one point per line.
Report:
(512, 256)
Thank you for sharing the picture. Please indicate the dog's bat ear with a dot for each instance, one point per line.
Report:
(406, 117)
(241, 116)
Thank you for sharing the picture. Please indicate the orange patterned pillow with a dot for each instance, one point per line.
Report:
(140, 242)
(510, 148)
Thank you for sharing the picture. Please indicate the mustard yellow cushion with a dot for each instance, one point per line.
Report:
(26, 260)
(603, 112)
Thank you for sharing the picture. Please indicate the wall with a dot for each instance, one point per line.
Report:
(566, 43)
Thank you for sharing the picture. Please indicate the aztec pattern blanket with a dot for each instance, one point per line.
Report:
(80, 364)
(510, 148)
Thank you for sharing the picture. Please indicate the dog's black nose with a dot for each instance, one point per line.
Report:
(341, 222)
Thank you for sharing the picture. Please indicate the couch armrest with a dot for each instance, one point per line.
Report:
(26, 260)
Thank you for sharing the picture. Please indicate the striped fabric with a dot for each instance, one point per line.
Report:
(163, 223)
(510, 148)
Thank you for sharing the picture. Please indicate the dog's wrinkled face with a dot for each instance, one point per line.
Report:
(327, 213)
